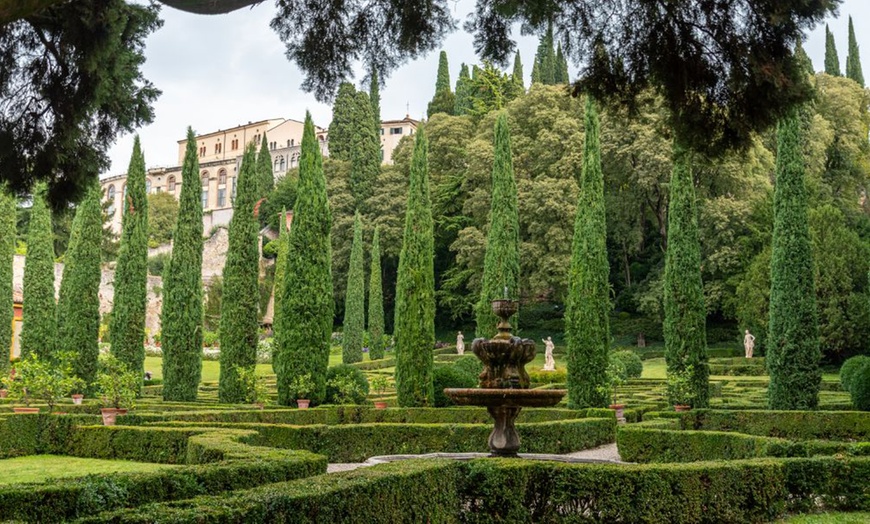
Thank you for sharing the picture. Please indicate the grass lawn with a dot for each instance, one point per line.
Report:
(39, 468)
(829, 518)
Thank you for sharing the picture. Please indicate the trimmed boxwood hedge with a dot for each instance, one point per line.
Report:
(799, 425)
(518, 491)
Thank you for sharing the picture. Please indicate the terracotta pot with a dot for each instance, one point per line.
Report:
(77, 399)
(380, 405)
(680, 407)
(302, 403)
(110, 415)
(259, 405)
(620, 414)
(25, 410)
(4, 393)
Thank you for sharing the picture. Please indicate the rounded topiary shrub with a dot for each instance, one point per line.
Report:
(860, 387)
(630, 361)
(850, 367)
(450, 377)
(346, 384)
(470, 364)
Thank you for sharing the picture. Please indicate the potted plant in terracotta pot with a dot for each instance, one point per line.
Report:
(45, 380)
(301, 387)
(256, 391)
(680, 390)
(118, 387)
(616, 376)
(380, 384)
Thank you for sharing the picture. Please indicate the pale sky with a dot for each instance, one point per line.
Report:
(217, 72)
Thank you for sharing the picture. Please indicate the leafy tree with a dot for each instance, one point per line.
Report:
(304, 324)
(853, 59)
(162, 216)
(281, 198)
(7, 252)
(355, 301)
(501, 266)
(517, 74)
(265, 176)
(444, 101)
(127, 325)
(376, 302)
(803, 58)
(462, 104)
(341, 129)
(375, 97)
(39, 331)
(182, 313)
(588, 306)
(78, 308)
(72, 82)
(365, 152)
(793, 338)
(414, 331)
(239, 324)
(685, 316)
(832, 61)
(490, 90)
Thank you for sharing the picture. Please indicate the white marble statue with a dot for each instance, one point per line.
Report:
(460, 343)
(748, 343)
(549, 361)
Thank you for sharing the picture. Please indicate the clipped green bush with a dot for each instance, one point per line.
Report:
(631, 363)
(850, 368)
(450, 377)
(470, 364)
(346, 384)
(860, 388)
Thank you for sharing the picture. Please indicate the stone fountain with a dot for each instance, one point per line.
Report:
(504, 383)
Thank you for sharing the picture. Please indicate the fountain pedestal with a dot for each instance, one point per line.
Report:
(504, 383)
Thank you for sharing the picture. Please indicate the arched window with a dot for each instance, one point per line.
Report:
(204, 197)
(275, 168)
(110, 192)
(147, 185)
(170, 183)
(222, 177)
(281, 166)
(205, 178)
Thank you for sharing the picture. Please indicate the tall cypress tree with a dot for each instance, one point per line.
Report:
(517, 75)
(546, 58)
(265, 175)
(376, 302)
(414, 332)
(444, 100)
(501, 266)
(354, 300)
(78, 308)
(127, 326)
(341, 129)
(182, 314)
(365, 152)
(239, 324)
(39, 329)
(561, 67)
(853, 59)
(793, 339)
(280, 266)
(803, 58)
(685, 315)
(587, 323)
(375, 97)
(7, 253)
(463, 92)
(536, 72)
(304, 324)
(832, 61)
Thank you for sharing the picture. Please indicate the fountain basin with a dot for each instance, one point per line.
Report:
(515, 398)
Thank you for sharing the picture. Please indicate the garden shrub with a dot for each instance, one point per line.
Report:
(630, 361)
(798, 425)
(368, 365)
(860, 387)
(850, 367)
(470, 364)
(738, 366)
(346, 384)
(450, 377)
(538, 376)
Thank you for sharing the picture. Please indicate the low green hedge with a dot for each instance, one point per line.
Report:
(738, 366)
(519, 491)
(369, 365)
(794, 425)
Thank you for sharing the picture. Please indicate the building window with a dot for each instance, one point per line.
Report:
(147, 186)
(170, 183)
(395, 130)
(222, 177)
(234, 144)
(281, 164)
(382, 131)
(202, 151)
(110, 192)
(204, 197)
(222, 197)
(218, 148)
(290, 142)
(205, 178)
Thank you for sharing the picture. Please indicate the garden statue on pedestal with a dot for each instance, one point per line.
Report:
(460, 343)
(748, 344)
(549, 361)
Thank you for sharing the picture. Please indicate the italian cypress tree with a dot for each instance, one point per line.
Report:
(265, 175)
(517, 75)
(280, 266)
(685, 315)
(375, 97)
(376, 302)
(587, 324)
(793, 338)
(853, 59)
(414, 331)
(341, 129)
(238, 328)
(443, 101)
(365, 153)
(304, 324)
(536, 72)
(501, 266)
(354, 300)
(561, 67)
(78, 308)
(803, 58)
(832, 61)
(7, 252)
(463, 92)
(182, 314)
(39, 331)
(127, 326)
(546, 57)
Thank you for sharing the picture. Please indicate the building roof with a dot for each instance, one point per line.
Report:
(406, 120)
